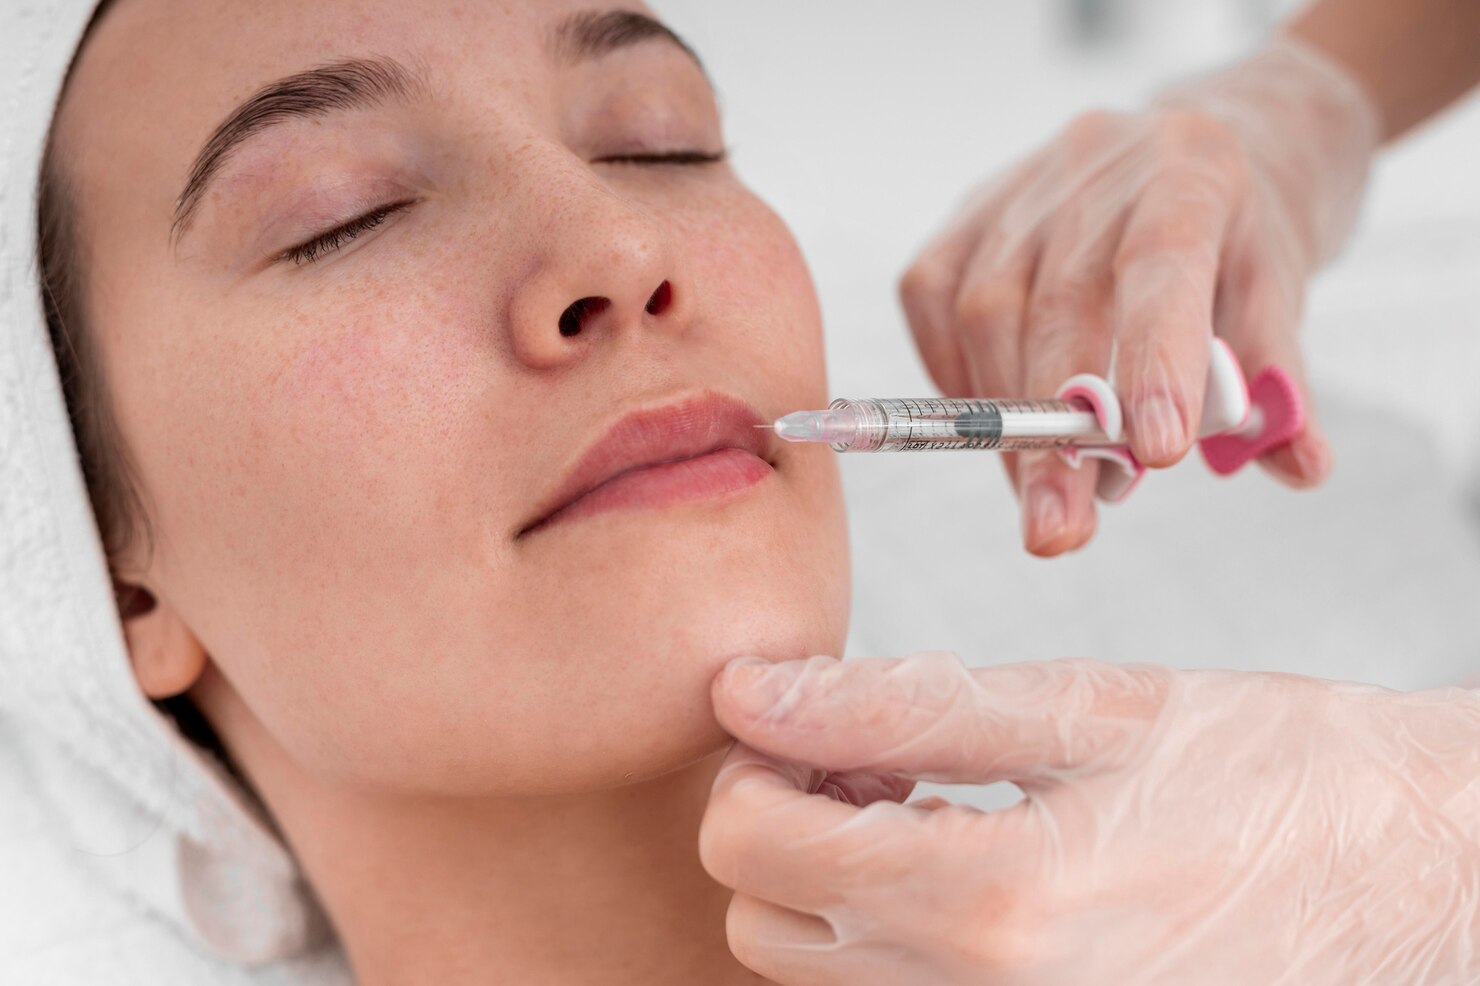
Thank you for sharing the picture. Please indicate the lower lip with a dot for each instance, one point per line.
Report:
(714, 474)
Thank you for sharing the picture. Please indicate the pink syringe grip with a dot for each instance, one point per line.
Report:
(1240, 421)
(1276, 415)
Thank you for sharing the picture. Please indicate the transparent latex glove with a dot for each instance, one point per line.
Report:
(1178, 827)
(1139, 235)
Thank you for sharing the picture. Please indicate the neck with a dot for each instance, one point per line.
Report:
(602, 886)
(598, 886)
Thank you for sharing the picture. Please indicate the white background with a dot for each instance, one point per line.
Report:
(864, 123)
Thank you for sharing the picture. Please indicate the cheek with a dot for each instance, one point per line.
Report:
(755, 288)
(363, 413)
(326, 484)
(382, 372)
(303, 450)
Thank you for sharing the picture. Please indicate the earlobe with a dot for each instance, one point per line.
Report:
(166, 657)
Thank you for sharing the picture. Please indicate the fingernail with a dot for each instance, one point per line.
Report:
(1314, 459)
(755, 686)
(1158, 423)
(1047, 513)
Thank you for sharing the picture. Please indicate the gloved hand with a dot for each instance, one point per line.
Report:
(1178, 827)
(1147, 232)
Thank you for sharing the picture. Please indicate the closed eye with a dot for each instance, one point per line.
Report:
(327, 243)
(670, 157)
(335, 239)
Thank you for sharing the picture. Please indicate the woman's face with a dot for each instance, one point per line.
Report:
(350, 448)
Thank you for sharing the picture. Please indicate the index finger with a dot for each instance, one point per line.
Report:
(1166, 274)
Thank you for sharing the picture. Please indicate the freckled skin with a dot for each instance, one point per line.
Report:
(337, 457)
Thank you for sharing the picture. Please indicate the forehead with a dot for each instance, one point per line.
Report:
(206, 55)
(158, 76)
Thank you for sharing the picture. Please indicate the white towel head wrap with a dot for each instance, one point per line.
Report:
(158, 818)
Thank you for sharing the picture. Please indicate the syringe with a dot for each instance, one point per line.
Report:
(1239, 421)
(919, 424)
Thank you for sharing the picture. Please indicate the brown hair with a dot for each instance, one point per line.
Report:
(107, 466)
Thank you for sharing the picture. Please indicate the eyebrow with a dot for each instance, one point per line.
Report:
(362, 83)
(354, 84)
(591, 34)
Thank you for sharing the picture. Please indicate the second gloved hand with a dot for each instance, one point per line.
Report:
(1212, 827)
(1141, 234)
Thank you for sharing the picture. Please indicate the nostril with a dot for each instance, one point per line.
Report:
(573, 319)
(661, 299)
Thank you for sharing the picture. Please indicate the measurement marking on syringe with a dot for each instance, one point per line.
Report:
(921, 424)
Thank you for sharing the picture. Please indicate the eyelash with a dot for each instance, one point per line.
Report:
(331, 241)
(672, 157)
(327, 243)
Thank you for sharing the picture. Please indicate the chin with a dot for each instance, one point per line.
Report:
(620, 693)
(594, 670)
(637, 705)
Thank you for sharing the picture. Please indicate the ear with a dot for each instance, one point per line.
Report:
(166, 657)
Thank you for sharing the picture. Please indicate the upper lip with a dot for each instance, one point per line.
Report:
(645, 437)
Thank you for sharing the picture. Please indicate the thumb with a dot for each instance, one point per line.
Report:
(929, 717)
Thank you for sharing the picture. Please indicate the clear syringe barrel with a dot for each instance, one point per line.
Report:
(884, 424)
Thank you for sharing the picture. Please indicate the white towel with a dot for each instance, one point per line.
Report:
(148, 857)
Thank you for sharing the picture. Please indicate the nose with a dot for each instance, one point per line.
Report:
(607, 267)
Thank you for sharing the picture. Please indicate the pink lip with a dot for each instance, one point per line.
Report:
(695, 449)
